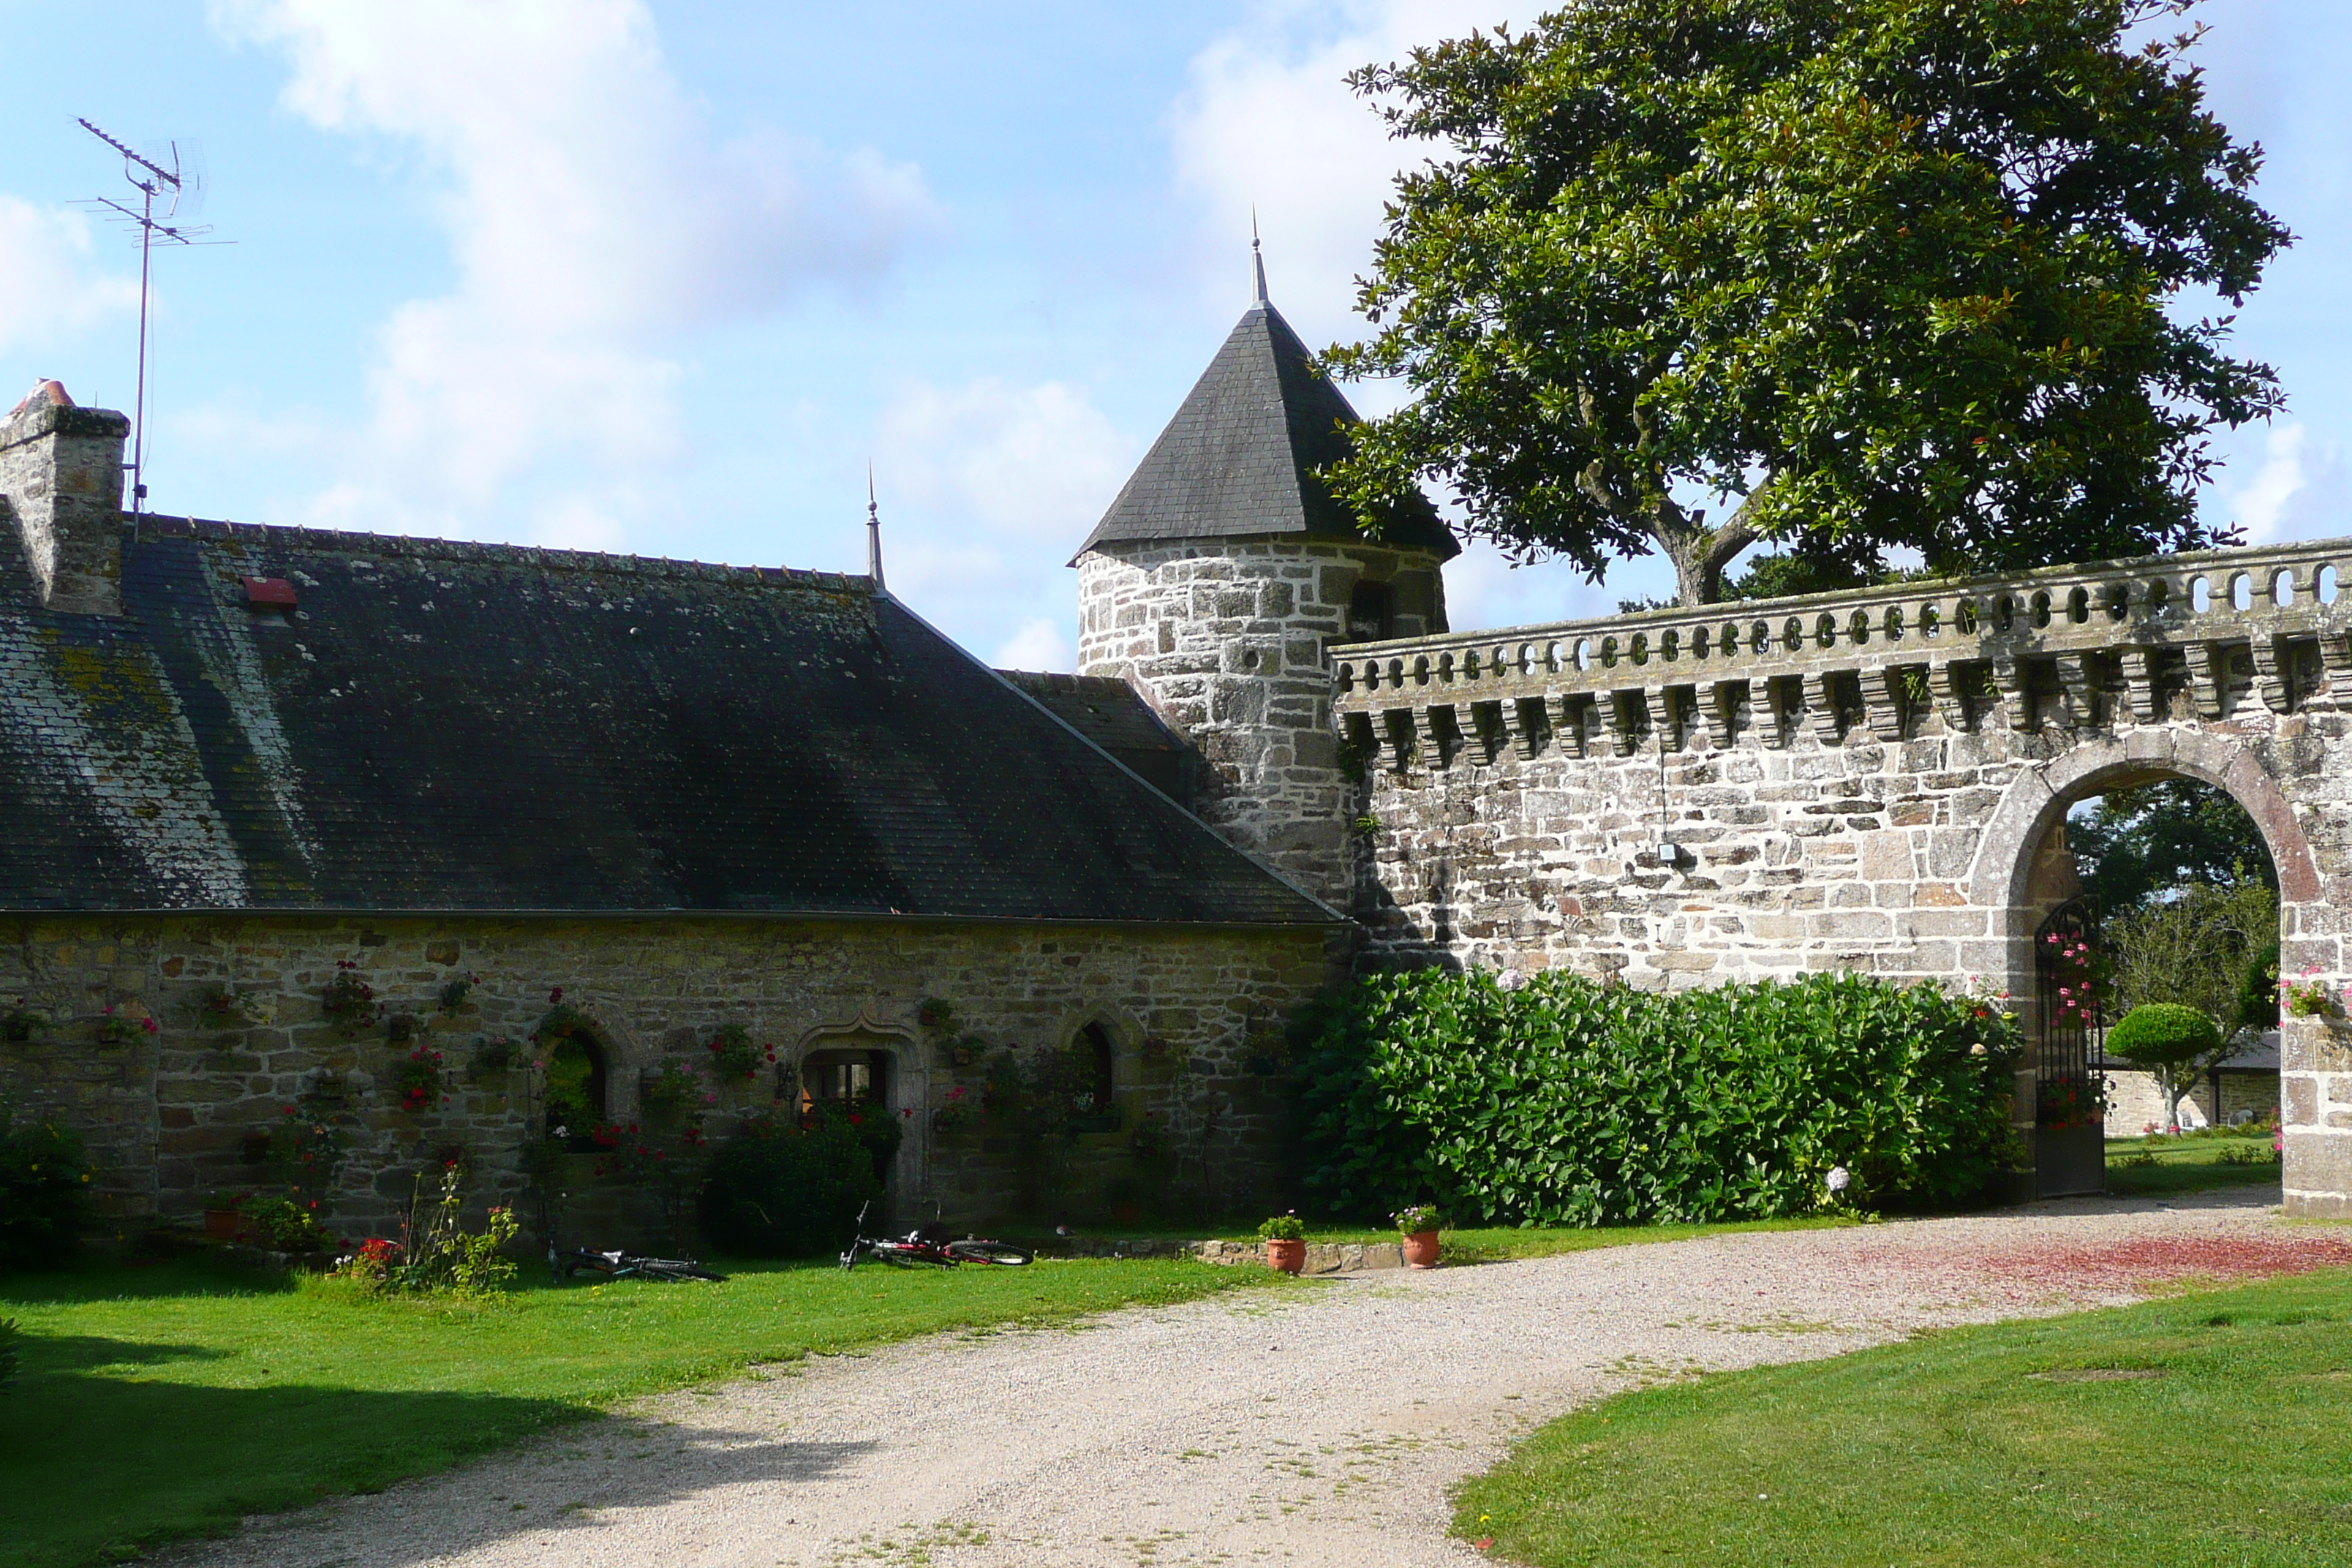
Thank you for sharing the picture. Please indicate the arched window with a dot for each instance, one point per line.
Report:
(1093, 1048)
(575, 1100)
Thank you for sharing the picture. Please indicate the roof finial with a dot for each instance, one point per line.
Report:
(873, 532)
(1257, 260)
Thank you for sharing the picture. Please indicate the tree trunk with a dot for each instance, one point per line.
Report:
(1700, 553)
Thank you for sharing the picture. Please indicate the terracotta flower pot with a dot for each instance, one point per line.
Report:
(222, 1225)
(1420, 1249)
(1290, 1256)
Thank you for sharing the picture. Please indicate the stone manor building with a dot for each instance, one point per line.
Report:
(356, 830)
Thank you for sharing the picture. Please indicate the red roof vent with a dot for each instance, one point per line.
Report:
(269, 593)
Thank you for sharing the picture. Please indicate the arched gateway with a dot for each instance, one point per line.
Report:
(1862, 781)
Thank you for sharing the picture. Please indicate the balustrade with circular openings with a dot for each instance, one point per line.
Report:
(2079, 614)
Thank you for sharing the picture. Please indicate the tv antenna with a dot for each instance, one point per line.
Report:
(175, 188)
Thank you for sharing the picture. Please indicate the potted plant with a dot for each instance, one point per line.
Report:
(1417, 1224)
(734, 1056)
(1286, 1242)
(492, 1056)
(226, 1008)
(20, 1025)
(224, 1220)
(349, 1001)
(419, 1079)
(669, 1089)
(959, 1109)
(118, 1028)
(285, 1225)
(455, 992)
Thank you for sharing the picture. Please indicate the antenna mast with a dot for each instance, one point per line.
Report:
(153, 182)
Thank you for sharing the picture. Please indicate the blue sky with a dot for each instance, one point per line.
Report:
(664, 278)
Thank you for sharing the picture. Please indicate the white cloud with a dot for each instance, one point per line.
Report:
(1037, 462)
(594, 220)
(50, 284)
(1038, 645)
(2297, 493)
(1268, 119)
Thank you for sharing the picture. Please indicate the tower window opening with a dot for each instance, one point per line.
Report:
(1371, 612)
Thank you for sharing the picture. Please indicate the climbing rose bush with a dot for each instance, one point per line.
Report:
(1566, 1101)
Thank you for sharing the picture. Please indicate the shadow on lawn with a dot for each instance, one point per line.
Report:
(107, 1278)
(103, 1457)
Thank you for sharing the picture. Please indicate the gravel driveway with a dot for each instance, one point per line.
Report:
(1323, 1428)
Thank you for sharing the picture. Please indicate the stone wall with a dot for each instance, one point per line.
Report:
(1226, 639)
(1870, 783)
(174, 1113)
(2136, 1101)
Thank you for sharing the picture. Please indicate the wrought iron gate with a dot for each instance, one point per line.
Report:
(2069, 1109)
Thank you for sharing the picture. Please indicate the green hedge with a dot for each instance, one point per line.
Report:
(1571, 1102)
(778, 1191)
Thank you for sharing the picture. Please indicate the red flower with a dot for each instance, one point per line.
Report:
(555, 995)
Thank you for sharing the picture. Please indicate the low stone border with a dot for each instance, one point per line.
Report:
(1322, 1257)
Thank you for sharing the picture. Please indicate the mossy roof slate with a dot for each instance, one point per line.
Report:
(457, 727)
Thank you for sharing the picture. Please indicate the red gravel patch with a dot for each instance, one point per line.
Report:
(2126, 1267)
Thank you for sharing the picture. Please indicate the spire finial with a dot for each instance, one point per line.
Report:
(873, 532)
(1257, 259)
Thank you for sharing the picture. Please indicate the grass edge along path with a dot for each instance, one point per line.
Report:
(162, 1403)
(2203, 1428)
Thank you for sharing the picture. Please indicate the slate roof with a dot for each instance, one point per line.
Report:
(460, 727)
(1240, 456)
(1109, 713)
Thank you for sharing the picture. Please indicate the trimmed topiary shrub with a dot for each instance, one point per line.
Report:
(2162, 1035)
(2165, 1037)
(2176, 1043)
(782, 1191)
(44, 1190)
(1566, 1101)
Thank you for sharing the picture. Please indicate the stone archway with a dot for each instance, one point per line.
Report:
(2005, 880)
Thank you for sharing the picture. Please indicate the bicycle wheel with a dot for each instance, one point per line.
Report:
(987, 1252)
(907, 1255)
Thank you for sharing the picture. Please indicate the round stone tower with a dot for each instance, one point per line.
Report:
(1224, 570)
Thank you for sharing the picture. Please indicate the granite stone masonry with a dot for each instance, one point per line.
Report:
(1225, 642)
(1862, 782)
(183, 1113)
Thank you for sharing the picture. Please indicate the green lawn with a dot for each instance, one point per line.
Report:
(1971, 1447)
(2199, 1162)
(165, 1401)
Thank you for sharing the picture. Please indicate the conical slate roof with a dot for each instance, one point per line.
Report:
(1240, 456)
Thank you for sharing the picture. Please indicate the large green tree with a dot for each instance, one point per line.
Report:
(1861, 274)
(2139, 845)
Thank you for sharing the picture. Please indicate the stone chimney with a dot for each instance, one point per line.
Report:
(61, 476)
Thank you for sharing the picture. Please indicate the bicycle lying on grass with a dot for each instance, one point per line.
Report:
(929, 1244)
(563, 1265)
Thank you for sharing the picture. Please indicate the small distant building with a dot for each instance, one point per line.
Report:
(2243, 1088)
